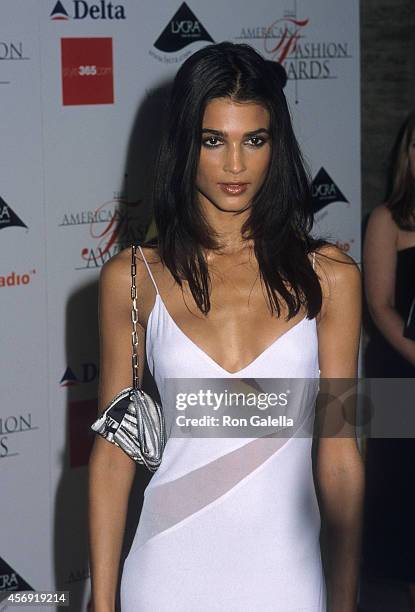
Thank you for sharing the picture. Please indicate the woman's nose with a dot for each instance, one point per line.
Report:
(234, 161)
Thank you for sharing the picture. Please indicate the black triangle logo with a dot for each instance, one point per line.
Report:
(8, 218)
(325, 191)
(59, 11)
(11, 581)
(68, 378)
(183, 29)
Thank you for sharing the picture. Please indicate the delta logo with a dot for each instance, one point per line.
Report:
(88, 373)
(8, 217)
(325, 191)
(84, 10)
(87, 71)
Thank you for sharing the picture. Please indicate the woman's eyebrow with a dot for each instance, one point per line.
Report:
(219, 133)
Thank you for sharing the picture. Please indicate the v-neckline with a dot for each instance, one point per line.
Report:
(206, 355)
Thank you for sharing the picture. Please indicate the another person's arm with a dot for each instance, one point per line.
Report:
(111, 470)
(379, 264)
(339, 465)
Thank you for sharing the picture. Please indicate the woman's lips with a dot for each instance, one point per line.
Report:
(233, 188)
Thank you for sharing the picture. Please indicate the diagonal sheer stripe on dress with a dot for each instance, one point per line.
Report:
(178, 500)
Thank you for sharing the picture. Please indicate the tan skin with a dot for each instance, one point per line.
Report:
(382, 242)
(237, 329)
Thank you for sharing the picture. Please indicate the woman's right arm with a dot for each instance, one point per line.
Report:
(379, 265)
(111, 470)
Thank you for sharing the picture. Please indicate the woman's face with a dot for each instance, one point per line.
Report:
(235, 153)
(411, 154)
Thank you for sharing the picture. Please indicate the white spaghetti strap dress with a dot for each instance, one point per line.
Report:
(228, 524)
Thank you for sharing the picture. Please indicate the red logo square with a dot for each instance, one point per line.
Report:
(87, 71)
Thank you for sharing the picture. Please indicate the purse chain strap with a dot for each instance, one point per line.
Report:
(134, 317)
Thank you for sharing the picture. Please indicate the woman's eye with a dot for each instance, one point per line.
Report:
(212, 141)
(256, 141)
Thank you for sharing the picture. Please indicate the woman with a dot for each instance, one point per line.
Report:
(235, 288)
(389, 266)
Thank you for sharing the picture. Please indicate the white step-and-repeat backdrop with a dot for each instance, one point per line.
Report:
(82, 84)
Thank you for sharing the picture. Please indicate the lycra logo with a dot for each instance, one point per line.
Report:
(183, 29)
(325, 191)
(11, 580)
(8, 217)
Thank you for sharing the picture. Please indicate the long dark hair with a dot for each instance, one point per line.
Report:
(280, 216)
(400, 196)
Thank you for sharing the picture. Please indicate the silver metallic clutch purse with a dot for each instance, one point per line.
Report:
(133, 420)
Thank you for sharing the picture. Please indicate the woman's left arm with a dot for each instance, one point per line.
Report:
(339, 465)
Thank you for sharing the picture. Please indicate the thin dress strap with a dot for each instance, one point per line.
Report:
(148, 269)
(314, 258)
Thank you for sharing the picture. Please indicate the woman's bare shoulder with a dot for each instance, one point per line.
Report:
(116, 272)
(115, 282)
(118, 269)
(331, 254)
(115, 276)
(338, 272)
(381, 220)
(382, 213)
(381, 226)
